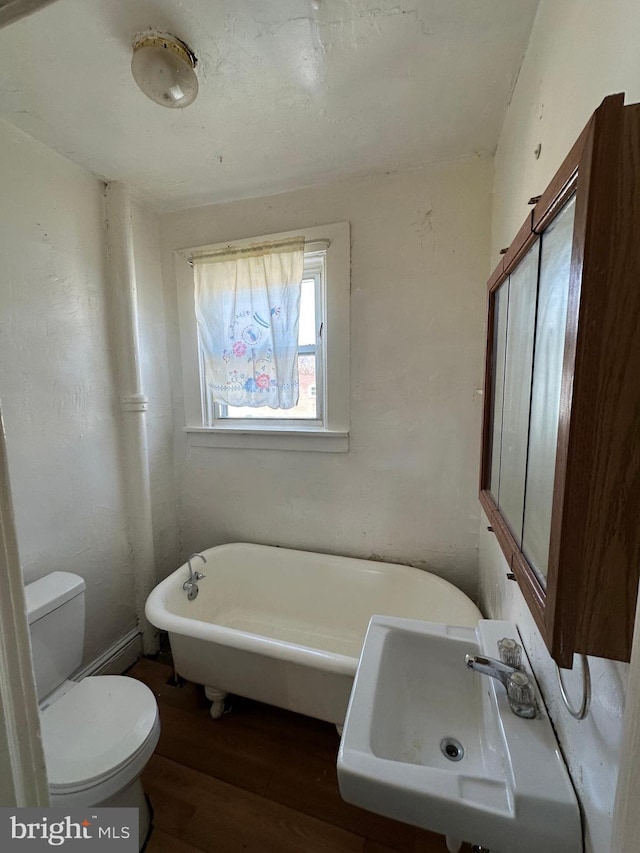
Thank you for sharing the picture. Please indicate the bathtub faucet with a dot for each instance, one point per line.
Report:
(191, 586)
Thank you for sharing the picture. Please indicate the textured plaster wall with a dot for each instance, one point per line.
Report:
(156, 382)
(407, 489)
(579, 52)
(56, 382)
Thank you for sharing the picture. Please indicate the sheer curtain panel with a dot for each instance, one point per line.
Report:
(247, 302)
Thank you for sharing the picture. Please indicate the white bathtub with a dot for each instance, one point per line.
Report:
(286, 627)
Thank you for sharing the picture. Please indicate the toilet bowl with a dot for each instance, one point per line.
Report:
(97, 739)
(98, 733)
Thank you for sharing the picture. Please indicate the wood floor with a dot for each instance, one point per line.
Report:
(260, 780)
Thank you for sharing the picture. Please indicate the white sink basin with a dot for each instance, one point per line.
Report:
(502, 784)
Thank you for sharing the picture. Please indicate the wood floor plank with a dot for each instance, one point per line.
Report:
(430, 842)
(172, 810)
(425, 842)
(375, 847)
(246, 760)
(289, 730)
(233, 820)
(259, 780)
(162, 842)
(310, 785)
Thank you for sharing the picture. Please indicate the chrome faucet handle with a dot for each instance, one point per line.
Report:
(197, 576)
(520, 695)
(510, 652)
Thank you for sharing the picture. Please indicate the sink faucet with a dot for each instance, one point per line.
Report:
(190, 586)
(489, 666)
(517, 683)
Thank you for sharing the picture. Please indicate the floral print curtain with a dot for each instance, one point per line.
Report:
(247, 304)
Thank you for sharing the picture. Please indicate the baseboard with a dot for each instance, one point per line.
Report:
(117, 658)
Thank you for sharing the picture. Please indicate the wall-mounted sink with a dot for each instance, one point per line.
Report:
(431, 743)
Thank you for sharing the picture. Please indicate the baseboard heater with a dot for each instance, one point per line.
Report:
(117, 658)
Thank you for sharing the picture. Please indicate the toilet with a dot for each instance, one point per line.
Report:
(98, 733)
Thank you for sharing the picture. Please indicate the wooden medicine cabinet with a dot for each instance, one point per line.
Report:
(560, 473)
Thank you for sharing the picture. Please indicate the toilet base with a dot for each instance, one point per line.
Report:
(132, 797)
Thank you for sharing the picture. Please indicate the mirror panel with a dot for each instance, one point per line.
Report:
(553, 290)
(500, 311)
(523, 284)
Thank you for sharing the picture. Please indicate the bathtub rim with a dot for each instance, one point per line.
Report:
(159, 616)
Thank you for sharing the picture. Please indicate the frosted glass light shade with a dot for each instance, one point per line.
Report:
(164, 69)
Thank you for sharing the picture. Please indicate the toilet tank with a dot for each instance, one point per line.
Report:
(55, 608)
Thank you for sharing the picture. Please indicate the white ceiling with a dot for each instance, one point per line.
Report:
(292, 92)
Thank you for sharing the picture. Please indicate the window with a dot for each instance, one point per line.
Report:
(320, 420)
(310, 357)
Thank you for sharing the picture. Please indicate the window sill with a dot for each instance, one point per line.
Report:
(322, 440)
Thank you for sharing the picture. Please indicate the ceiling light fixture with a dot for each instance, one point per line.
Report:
(163, 66)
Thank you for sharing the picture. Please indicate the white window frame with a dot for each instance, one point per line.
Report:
(330, 432)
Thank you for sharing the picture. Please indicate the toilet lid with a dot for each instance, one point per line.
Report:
(96, 728)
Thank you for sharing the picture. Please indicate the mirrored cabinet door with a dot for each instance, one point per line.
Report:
(500, 313)
(560, 465)
(523, 283)
(551, 318)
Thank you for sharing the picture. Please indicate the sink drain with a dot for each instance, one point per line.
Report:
(452, 749)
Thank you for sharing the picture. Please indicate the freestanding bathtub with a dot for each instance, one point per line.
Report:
(286, 627)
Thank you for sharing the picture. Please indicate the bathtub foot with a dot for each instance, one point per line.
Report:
(216, 697)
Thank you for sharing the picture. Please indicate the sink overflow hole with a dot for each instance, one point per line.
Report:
(452, 749)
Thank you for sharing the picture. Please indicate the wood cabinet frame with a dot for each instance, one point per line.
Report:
(588, 603)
